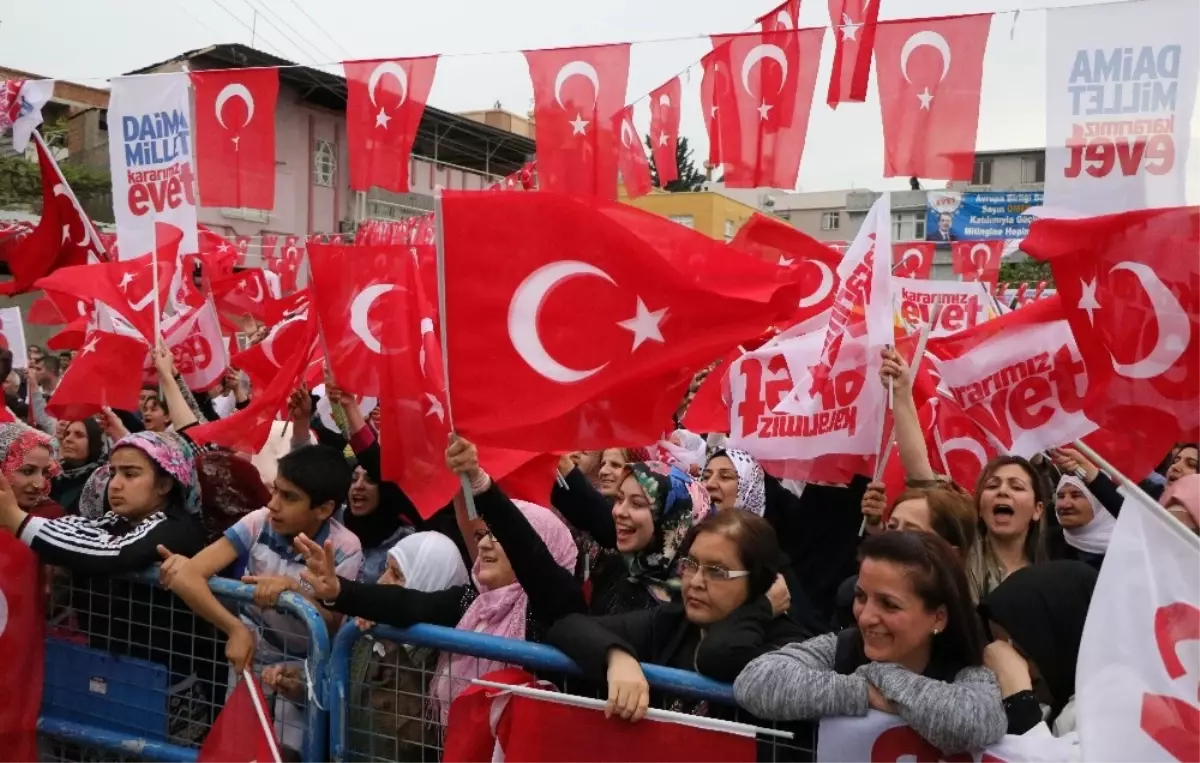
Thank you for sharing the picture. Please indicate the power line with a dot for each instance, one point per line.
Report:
(305, 52)
(247, 27)
(309, 45)
(320, 28)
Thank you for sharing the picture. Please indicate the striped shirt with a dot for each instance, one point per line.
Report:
(112, 544)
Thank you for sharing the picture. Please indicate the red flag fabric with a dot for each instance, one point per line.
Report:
(854, 25)
(70, 337)
(263, 361)
(102, 374)
(289, 264)
(930, 73)
(22, 637)
(912, 259)
(977, 260)
(235, 136)
(631, 156)
(709, 409)
(195, 341)
(247, 430)
(248, 293)
(664, 130)
(780, 244)
(534, 730)
(766, 110)
(714, 88)
(240, 733)
(267, 248)
(1130, 296)
(126, 286)
(577, 95)
(784, 17)
(522, 323)
(384, 103)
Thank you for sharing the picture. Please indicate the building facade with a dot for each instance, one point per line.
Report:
(715, 215)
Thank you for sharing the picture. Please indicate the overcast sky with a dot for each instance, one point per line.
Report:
(91, 40)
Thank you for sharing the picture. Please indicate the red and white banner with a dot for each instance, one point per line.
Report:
(1139, 662)
(912, 259)
(235, 137)
(22, 639)
(884, 738)
(150, 156)
(964, 305)
(195, 341)
(1120, 89)
(12, 334)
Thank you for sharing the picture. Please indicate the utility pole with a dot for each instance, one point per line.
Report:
(253, 25)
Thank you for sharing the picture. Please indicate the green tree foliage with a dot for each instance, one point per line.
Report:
(21, 181)
(1026, 270)
(690, 178)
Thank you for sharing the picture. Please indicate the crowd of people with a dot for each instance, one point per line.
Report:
(960, 610)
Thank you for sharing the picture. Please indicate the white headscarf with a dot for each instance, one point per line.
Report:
(430, 562)
(1093, 537)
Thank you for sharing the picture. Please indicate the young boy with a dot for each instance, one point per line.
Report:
(310, 484)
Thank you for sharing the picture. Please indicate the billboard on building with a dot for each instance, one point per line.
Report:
(955, 216)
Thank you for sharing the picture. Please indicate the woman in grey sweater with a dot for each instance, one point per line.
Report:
(917, 652)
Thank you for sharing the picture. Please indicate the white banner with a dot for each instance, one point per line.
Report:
(1121, 84)
(963, 304)
(150, 154)
(882, 738)
(12, 329)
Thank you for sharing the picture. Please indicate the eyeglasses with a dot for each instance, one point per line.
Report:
(481, 534)
(689, 567)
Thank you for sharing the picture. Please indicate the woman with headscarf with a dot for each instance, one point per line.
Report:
(28, 461)
(83, 448)
(1036, 617)
(521, 579)
(1084, 527)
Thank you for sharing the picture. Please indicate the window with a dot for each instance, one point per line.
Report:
(908, 226)
(324, 163)
(831, 221)
(983, 172)
(730, 230)
(686, 220)
(1033, 169)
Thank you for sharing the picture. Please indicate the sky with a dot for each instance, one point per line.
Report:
(89, 41)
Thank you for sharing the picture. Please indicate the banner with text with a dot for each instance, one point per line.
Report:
(1121, 84)
(955, 216)
(963, 304)
(884, 738)
(150, 154)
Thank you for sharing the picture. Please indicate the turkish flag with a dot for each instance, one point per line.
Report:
(1128, 285)
(195, 341)
(70, 337)
(854, 24)
(779, 244)
(960, 447)
(664, 130)
(533, 730)
(977, 260)
(100, 376)
(578, 94)
(218, 253)
(22, 639)
(912, 259)
(709, 409)
(631, 157)
(264, 360)
(243, 730)
(288, 264)
(235, 137)
(55, 309)
(384, 103)
(784, 17)
(125, 286)
(249, 293)
(522, 323)
(930, 72)
(715, 87)
(247, 430)
(766, 110)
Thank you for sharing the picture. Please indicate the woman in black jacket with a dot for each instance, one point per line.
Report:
(734, 609)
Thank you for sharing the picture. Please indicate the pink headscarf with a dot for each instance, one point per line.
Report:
(1186, 492)
(498, 612)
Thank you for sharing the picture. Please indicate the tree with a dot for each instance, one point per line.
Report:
(690, 179)
(1026, 270)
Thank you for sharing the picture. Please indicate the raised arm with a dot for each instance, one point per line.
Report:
(799, 682)
(910, 440)
(583, 506)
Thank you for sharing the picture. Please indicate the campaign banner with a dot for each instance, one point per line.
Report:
(963, 304)
(150, 156)
(959, 216)
(884, 738)
(1120, 88)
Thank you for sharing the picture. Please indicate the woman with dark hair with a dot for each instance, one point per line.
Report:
(734, 608)
(1036, 616)
(1184, 462)
(917, 652)
(83, 448)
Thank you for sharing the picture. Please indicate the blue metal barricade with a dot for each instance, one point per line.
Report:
(374, 716)
(133, 673)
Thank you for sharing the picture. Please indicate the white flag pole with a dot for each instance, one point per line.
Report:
(667, 716)
(439, 238)
(267, 729)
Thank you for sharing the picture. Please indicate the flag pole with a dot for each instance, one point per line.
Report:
(267, 729)
(439, 238)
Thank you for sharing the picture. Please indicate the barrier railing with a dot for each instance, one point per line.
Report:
(376, 714)
(131, 671)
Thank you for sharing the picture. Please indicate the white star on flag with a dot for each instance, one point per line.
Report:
(925, 97)
(223, 248)
(578, 125)
(126, 279)
(382, 119)
(435, 407)
(91, 345)
(662, 139)
(764, 109)
(236, 142)
(785, 262)
(849, 28)
(1087, 300)
(66, 233)
(644, 324)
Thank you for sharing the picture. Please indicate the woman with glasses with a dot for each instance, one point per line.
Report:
(733, 608)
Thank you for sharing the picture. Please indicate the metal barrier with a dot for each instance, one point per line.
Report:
(132, 672)
(371, 720)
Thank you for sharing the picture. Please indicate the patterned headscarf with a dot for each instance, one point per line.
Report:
(752, 481)
(230, 488)
(676, 503)
(16, 440)
(170, 451)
